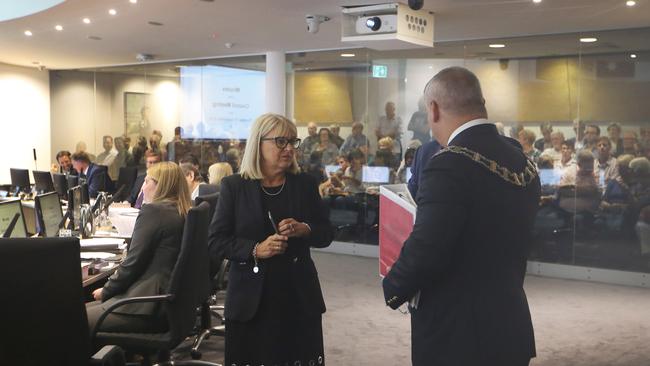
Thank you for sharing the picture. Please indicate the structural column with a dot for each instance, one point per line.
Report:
(276, 85)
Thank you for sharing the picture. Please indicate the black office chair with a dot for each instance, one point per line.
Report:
(189, 287)
(210, 308)
(107, 184)
(206, 189)
(43, 314)
(127, 177)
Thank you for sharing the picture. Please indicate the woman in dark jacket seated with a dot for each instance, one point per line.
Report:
(155, 245)
(266, 220)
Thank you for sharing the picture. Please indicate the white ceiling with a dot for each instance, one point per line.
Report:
(200, 29)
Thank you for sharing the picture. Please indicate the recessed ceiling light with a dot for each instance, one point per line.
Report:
(28, 33)
(348, 55)
(58, 27)
(630, 3)
(633, 55)
(537, 1)
(588, 39)
(497, 45)
(86, 20)
(133, 1)
(112, 11)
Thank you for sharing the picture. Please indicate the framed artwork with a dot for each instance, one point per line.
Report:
(136, 114)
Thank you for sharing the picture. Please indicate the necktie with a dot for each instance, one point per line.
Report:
(138, 201)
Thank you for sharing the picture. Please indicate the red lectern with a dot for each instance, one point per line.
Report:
(396, 218)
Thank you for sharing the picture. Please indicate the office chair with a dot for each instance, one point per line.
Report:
(44, 317)
(210, 307)
(206, 189)
(127, 177)
(189, 286)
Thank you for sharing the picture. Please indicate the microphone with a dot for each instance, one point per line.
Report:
(62, 222)
(117, 194)
(35, 165)
(11, 226)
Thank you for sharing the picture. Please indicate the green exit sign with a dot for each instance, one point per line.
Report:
(379, 71)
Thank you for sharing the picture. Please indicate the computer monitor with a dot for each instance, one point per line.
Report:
(331, 169)
(43, 181)
(9, 209)
(60, 185)
(74, 205)
(20, 179)
(375, 174)
(49, 214)
(550, 177)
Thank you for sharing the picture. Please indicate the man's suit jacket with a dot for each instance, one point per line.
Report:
(467, 255)
(96, 177)
(152, 255)
(239, 223)
(135, 191)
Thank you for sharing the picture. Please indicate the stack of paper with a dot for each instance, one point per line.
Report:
(102, 244)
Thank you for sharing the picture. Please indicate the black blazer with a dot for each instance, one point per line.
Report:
(467, 255)
(135, 191)
(152, 255)
(239, 223)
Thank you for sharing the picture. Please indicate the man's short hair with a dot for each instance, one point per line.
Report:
(596, 127)
(604, 139)
(569, 144)
(62, 153)
(189, 158)
(107, 137)
(614, 125)
(152, 153)
(81, 156)
(546, 126)
(456, 90)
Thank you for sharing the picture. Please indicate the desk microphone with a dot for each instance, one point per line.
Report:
(62, 222)
(117, 194)
(35, 165)
(11, 226)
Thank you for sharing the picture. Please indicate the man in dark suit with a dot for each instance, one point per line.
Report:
(96, 176)
(135, 197)
(464, 264)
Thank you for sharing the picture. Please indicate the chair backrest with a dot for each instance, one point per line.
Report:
(206, 189)
(579, 199)
(212, 199)
(43, 314)
(189, 283)
(127, 177)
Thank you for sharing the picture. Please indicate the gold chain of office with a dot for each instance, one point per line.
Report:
(518, 179)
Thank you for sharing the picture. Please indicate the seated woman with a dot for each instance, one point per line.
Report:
(218, 171)
(154, 249)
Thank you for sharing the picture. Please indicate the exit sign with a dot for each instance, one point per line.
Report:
(379, 71)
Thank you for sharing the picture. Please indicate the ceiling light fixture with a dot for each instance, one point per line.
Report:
(497, 45)
(630, 3)
(133, 1)
(112, 11)
(58, 27)
(588, 39)
(86, 20)
(537, 1)
(633, 55)
(348, 55)
(28, 33)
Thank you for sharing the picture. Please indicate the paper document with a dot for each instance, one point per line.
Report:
(95, 255)
(102, 243)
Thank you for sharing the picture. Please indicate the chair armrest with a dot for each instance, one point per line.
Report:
(108, 356)
(130, 300)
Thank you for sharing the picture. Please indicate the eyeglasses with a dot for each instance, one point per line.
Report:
(281, 142)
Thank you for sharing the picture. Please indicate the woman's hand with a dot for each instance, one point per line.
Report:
(273, 245)
(293, 229)
(97, 294)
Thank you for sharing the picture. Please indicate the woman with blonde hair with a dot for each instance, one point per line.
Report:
(218, 171)
(154, 249)
(267, 218)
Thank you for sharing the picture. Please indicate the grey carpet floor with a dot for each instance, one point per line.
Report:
(576, 323)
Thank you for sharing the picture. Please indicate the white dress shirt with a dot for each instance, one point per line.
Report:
(465, 126)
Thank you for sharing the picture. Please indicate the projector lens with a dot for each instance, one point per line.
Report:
(373, 23)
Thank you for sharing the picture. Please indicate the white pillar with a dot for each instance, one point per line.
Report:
(276, 86)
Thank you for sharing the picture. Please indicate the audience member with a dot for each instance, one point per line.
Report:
(193, 178)
(233, 158)
(154, 142)
(122, 158)
(605, 166)
(137, 196)
(218, 171)
(555, 151)
(515, 130)
(93, 175)
(579, 131)
(355, 140)
(614, 132)
(390, 125)
(566, 159)
(405, 165)
(314, 166)
(137, 154)
(353, 176)
(631, 143)
(337, 140)
(176, 147)
(328, 150)
(527, 139)
(545, 141)
(419, 123)
(153, 252)
(592, 133)
(107, 157)
(81, 147)
(309, 141)
(580, 175)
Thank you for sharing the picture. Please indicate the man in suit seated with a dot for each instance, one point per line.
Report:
(464, 263)
(94, 175)
(136, 196)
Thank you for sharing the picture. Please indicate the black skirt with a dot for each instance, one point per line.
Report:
(281, 332)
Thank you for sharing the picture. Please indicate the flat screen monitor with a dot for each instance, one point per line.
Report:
(550, 177)
(74, 205)
(408, 174)
(20, 178)
(375, 174)
(43, 181)
(60, 185)
(331, 169)
(49, 214)
(9, 209)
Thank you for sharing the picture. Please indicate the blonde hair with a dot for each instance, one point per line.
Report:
(218, 171)
(171, 186)
(263, 125)
(385, 142)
